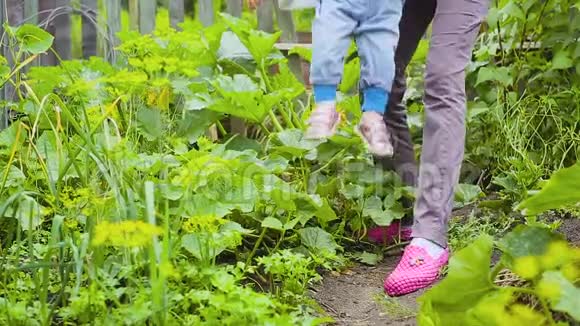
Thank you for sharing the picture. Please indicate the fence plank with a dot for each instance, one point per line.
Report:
(237, 125)
(147, 10)
(31, 11)
(176, 12)
(205, 9)
(15, 11)
(134, 15)
(113, 23)
(234, 7)
(206, 16)
(286, 24)
(45, 9)
(265, 16)
(62, 31)
(89, 19)
(4, 113)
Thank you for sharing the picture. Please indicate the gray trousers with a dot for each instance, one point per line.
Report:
(455, 27)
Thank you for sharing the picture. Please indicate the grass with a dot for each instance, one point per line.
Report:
(393, 307)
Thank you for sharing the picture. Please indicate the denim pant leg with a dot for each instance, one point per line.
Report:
(376, 36)
(331, 36)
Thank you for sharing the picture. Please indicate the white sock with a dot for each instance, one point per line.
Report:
(434, 250)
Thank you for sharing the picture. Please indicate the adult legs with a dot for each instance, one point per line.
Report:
(455, 27)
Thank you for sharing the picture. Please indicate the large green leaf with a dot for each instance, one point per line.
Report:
(501, 75)
(325, 213)
(150, 123)
(28, 213)
(272, 223)
(566, 297)
(292, 142)
(260, 44)
(373, 208)
(497, 309)
(562, 60)
(47, 148)
(526, 241)
(241, 97)
(316, 239)
(195, 123)
(560, 191)
(467, 282)
(33, 39)
(466, 194)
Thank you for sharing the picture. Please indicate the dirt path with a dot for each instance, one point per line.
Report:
(356, 297)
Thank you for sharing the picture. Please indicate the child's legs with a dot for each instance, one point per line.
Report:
(376, 38)
(331, 37)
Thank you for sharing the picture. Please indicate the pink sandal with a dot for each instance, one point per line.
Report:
(416, 270)
(389, 234)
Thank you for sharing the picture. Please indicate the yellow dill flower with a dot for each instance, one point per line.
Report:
(125, 234)
(207, 223)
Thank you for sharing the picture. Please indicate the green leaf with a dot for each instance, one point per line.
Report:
(501, 75)
(242, 98)
(497, 309)
(200, 246)
(28, 213)
(304, 53)
(350, 76)
(467, 282)
(316, 239)
(8, 137)
(292, 142)
(150, 123)
(559, 192)
(527, 241)
(325, 213)
(260, 44)
(47, 148)
(368, 258)
(272, 223)
(466, 193)
(568, 298)
(493, 16)
(514, 10)
(198, 102)
(15, 176)
(562, 60)
(373, 208)
(195, 123)
(33, 39)
(352, 191)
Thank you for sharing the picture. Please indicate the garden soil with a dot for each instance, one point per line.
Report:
(356, 297)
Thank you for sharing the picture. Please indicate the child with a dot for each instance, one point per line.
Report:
(374, 25)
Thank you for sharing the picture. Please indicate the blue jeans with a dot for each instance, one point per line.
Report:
(374, 25)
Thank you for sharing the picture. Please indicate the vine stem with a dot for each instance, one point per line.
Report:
(256, 245)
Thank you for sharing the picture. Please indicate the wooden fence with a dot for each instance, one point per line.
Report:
(101, 20)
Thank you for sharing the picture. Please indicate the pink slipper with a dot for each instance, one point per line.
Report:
(389, 234)
(416, 270)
